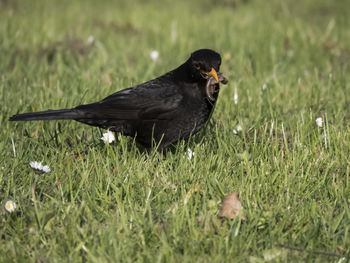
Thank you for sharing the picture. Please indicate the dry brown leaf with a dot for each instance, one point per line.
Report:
(231, 206)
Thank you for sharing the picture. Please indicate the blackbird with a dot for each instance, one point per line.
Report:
(158, 112)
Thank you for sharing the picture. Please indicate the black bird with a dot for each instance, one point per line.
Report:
(158, 112)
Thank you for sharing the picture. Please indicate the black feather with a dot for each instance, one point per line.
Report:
(64, 114)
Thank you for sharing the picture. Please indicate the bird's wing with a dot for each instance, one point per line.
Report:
(156, 99)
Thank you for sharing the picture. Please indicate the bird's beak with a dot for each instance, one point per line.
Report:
(213, 73)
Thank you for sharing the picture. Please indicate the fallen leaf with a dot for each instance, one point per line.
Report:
(231, 207)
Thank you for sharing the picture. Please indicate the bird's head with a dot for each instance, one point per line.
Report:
(205, 66)
(205, 63)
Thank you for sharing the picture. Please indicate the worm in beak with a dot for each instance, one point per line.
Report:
(211, 88)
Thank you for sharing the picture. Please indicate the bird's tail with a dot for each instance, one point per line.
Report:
(64, 114)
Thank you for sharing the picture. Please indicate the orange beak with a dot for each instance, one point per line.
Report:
(213, 73)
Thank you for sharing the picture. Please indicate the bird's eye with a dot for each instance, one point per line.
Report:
(197, 66)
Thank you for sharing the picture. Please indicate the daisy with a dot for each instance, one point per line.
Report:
(154, 55)
(319, 122)
(10, 206)
(39, 167)
(108, 137)
(237, 130)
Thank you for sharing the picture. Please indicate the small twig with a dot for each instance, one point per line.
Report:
(330, 254)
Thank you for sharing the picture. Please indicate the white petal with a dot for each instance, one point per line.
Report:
(33, 165)
(108, 137)
(10, 206)
(190, 154)
(154, 55)
(319, 122)
(40, 167)
(237, 130)
(46, 169)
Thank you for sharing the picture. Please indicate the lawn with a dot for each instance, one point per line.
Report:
(287, 63)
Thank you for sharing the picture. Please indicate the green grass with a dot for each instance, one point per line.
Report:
(119, 203)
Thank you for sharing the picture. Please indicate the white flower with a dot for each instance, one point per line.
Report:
(154, 55)
(264, 86)
(108, 137)
(190, 154)
(319, 122)
(39, 167)
(235, 97)
(10, 206)
(237, 130)
(91, 39)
